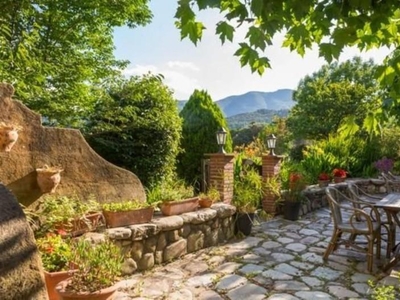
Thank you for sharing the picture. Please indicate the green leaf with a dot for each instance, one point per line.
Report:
(348, 126)
(257, 7)
(225, 31)
(371, 124)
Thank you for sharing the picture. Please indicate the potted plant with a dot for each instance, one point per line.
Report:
(324, 179)
(247, 194)
(127, 212)
(48, 178)
(69, 214)
(56, 255)
(207, 199)
(98, 267)
(173, 198)
(339, 175)
(292, 197)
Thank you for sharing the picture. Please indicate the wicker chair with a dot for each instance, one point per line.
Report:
(359, 223)
(360, 196)
(392, 182)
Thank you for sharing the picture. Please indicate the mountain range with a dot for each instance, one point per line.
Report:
(253, 101)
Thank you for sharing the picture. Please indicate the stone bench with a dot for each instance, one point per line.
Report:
(168, 238)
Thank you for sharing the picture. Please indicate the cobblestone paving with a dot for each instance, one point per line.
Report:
(281, 260)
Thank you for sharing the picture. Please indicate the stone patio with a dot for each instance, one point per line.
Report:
(280, 260)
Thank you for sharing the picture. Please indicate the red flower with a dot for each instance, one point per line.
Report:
(61, 232)
(294, 177)
(324, 176)
(50, 250)
(339, 173)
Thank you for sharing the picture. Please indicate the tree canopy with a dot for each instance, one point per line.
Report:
(331, 25)
(332, 96)
(58, 52)
(136, 126)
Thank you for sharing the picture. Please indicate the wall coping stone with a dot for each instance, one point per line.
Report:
(200, 216)
(224, 210)
(167, 223)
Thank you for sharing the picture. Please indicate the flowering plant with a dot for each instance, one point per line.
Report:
(294, 177)
(384, 165)
(339, 173)
(324, 176)
(55, 252)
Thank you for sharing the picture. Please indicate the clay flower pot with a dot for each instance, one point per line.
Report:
(323, 183)
(179, 207)
(104, 294)
(125, 218)
(205, 202)
(48, 178)
(339, 179)
(8, 136)
(54, 278)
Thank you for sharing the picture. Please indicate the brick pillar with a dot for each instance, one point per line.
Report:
(221, 174)
(271, 165)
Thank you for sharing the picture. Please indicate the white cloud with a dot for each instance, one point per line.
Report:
(183, 65)
(182, 84)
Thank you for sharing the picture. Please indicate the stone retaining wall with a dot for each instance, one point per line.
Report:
(168, 238)
(317, 198)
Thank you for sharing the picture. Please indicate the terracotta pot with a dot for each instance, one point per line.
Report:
(339, 179)
(179, 207)
(124, 218)
(48, 179)
(205, 202)
(8, 138)
(104, 294)
(323, 183)
(52, 279)
(89, 222)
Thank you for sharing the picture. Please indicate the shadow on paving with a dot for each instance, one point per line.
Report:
(280, 260)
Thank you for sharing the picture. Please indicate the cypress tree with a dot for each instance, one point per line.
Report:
(202, 118)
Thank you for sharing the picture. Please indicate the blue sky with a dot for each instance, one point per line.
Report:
(158, 48)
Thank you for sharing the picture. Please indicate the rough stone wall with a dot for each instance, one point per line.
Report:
(85, 173)
(168, 238)
(317, 198)
(21, 274)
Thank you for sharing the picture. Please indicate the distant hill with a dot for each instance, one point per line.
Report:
(253, 101)
(261, 116)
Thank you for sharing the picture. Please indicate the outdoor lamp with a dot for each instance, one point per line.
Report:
(221, 140)
(271, 141)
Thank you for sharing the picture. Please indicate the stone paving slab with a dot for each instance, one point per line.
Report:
(280, 260)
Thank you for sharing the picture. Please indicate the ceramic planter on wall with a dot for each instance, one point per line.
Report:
(124, 218)
(323, 183)
(179, 207)
(48, 178)
(89, 222)
(339, 179)
(8, 136)
(205, 202)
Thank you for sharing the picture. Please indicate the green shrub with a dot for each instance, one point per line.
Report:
(202, 118)
(124, 205)
(137, 127)
(171, 190)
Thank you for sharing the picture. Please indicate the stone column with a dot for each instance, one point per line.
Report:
(221, 174)
(271, 165)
